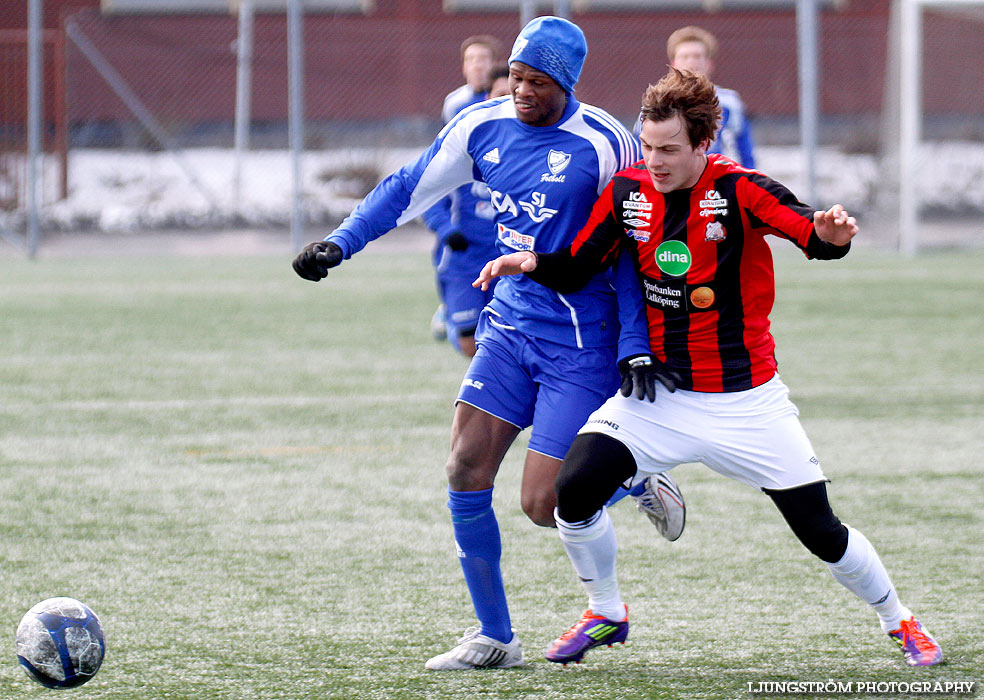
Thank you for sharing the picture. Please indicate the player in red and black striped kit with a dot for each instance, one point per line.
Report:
(704, 265)
(695, 226)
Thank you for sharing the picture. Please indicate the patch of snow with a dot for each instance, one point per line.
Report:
(114, 191)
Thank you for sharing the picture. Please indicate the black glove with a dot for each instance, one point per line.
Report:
(640, 372)
(316, 259)
(456, 241)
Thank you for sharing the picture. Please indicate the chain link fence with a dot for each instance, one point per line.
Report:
(150, 106)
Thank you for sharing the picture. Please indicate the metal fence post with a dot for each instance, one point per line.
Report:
(244, 89)
(295, 79)
(35, 58)
(806, 27)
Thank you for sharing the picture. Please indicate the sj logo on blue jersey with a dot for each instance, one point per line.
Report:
(537, 209)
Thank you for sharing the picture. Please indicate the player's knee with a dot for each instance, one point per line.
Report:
(539, 507)
(826, 540)
(467, 473)
(808, 513)
(466, 344)
(594, 467)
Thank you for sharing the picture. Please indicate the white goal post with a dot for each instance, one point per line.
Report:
(910, 111)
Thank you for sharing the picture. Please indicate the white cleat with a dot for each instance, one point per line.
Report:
(475, 650)
(439, 323)
(662, 502)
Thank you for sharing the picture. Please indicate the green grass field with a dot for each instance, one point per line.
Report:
(243, 474)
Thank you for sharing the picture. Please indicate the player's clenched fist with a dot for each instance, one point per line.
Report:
(835, 225)
(316, 259)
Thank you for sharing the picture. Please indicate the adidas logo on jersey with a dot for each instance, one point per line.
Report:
(492, 156)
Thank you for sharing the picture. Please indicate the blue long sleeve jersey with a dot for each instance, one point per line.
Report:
(734, 139)
(467, 210)
(543, 182)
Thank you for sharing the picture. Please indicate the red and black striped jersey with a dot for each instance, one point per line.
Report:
(704, 265)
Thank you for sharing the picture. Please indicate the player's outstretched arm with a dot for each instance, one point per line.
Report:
(511, 264)
(316, 259)
(835, 226)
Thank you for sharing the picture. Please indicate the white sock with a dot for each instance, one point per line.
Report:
(862, 572)
(592, 547)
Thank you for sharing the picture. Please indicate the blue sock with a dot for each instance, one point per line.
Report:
(453, 339)
(476, 532)
(621, 493)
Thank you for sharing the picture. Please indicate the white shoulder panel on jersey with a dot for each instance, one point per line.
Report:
(480, 112)
(452, 164)
(611, 158)
(731, 100)
(455, 101)
(629, 151)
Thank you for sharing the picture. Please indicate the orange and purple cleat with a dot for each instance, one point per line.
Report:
(590, 632)
(917, 645)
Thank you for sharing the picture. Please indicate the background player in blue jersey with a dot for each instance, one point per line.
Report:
(544, 359)
(693, 48)
(499, 81)
(463, 220)
(479, 55)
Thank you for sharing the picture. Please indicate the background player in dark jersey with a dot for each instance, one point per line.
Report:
(695, 226)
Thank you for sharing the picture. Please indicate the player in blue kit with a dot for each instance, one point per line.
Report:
(463, 220)
(694, 49)
(544, 359)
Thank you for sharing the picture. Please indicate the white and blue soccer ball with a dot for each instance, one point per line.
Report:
(60, 643)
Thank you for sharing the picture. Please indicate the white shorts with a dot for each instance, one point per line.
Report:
(753, 436)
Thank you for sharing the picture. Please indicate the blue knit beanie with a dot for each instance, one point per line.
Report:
(554, 46)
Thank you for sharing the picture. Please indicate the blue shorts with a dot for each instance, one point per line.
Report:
(530, 381)
(464, 303)
(455, 273)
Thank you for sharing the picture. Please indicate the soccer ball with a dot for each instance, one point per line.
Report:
(60, 643)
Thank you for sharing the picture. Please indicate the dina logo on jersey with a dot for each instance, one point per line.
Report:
(673, 258)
